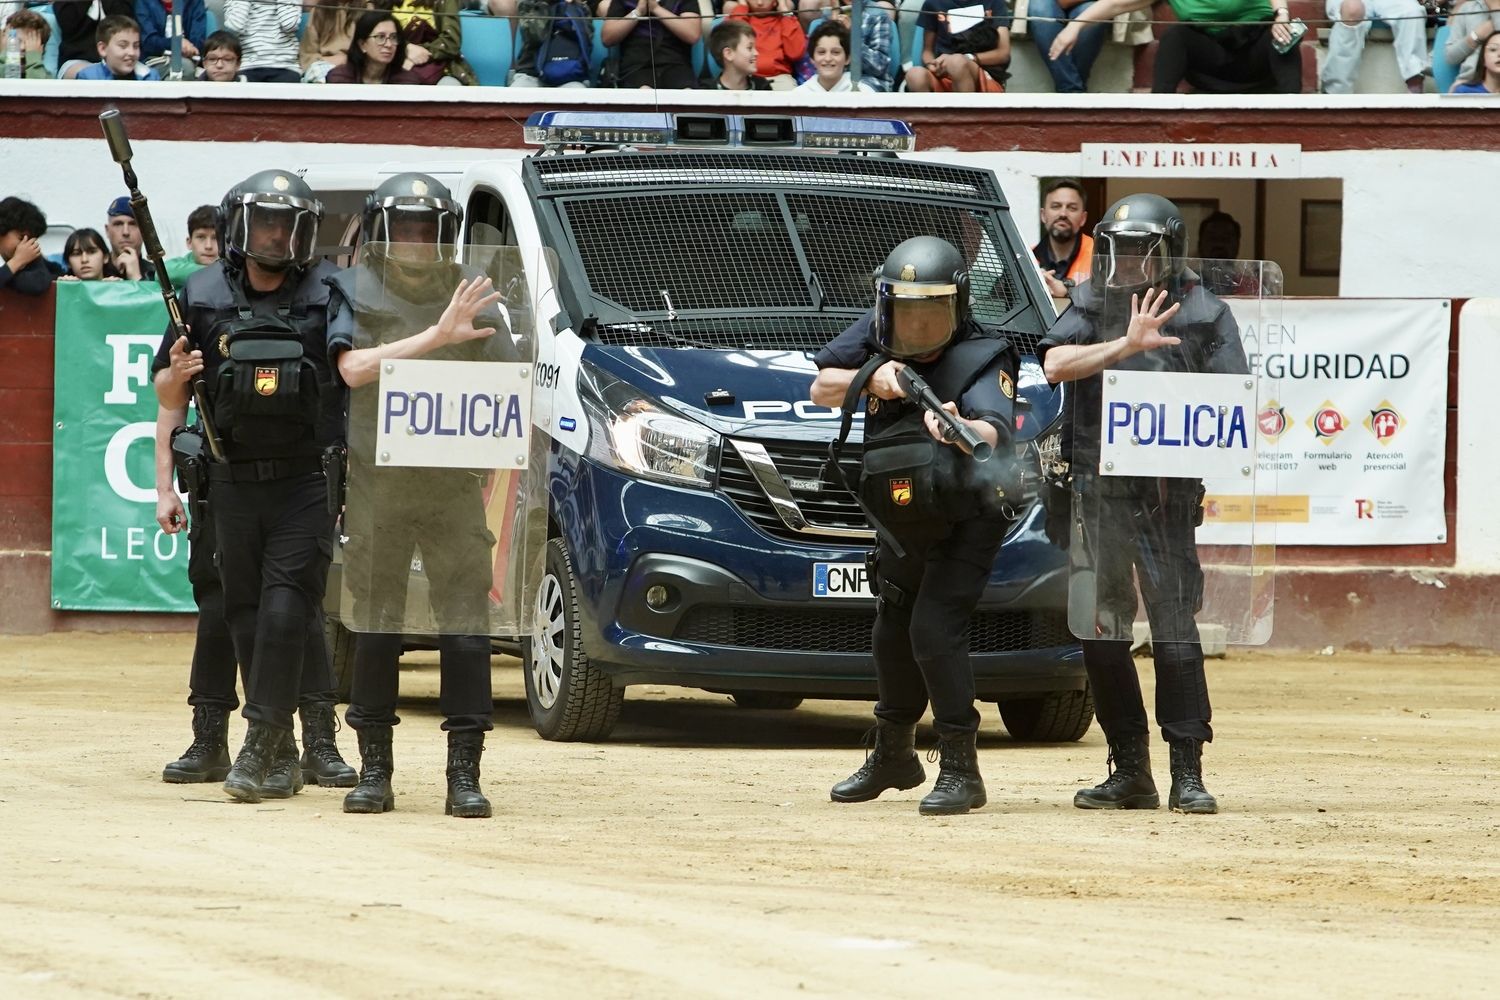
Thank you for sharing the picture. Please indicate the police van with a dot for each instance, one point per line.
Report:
(696, 537)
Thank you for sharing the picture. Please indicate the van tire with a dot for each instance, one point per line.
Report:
(771, 701)
(585, 704)
(1059, 717)
(340, 642)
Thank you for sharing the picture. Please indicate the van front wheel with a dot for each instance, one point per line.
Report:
(570, 699)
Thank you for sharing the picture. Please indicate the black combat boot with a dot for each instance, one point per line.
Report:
(465, 800)
(284, 776)
(262, 741)
(207, 759)
(1129, 785)
(893, 763)
(321, 760)
(373, 793)
(1188, 794)
(959, 787)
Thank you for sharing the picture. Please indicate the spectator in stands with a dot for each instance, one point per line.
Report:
(125, 242)
(87, 257)
(1232, 58)
(1064, 253)
(1471, 24)
(221, 58)
(118, 41)
(77, 24)
(1485, 78)
(268, 38)
(325, 40)
(1349, 25)
(202, 244)
(830, 56)
(33, 32)
(656, 39)
(152, 17)
(881, 60)
(539, 20)
(25, 268)
(779, 39)
(376, 54)
(1070, 72)
(732, 43)
(434, 41)
(962, 52)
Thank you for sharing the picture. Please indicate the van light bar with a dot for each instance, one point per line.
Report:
(559, 129)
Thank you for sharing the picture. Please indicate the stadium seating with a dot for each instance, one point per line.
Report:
(487, 47)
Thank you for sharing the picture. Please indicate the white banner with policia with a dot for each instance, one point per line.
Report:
(1357, 430)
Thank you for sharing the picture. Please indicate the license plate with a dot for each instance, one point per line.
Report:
(841, 580)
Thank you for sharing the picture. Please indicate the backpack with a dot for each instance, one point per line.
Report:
(565, 52)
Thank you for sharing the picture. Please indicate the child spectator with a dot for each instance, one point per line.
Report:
(965, 48)
(119, 43)
(376, 54)
(221, 58)
(434, 41)
(779, 39)
(1485, 79)
(656, 39)
(34, 32)
(87, 257)
(77, 24)
(325, 40)
(268, 38)
(880, 62)
(125, 242)
(192, 20)
(830, 56)
(733, 45)
(202, 244)
(25, 269)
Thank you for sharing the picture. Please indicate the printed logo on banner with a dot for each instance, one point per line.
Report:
(1384, 422)
(1273, 421)
(1364, 510)
(1328, 423)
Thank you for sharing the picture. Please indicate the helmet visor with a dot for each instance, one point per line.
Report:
(1131, 259)
(913, 319)
(274, 232)
(420, 227)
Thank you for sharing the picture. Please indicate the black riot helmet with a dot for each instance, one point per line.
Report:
(270, 217)
(921, 297)
(1140, 242)
(414, 210)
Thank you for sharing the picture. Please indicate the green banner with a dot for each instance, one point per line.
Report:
(107, 552)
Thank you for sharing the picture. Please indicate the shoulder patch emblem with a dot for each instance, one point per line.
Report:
(1007, 385)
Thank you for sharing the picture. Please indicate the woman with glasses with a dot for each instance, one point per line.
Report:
(376, 54)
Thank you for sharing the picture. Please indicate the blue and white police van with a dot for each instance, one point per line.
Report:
(695, 536)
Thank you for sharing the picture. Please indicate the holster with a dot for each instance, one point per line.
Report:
(335, 466)
(190, 459)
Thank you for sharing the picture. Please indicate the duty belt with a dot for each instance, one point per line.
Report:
(263, 469)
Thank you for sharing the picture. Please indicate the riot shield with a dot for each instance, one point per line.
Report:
(1173, 506)
(445, 513)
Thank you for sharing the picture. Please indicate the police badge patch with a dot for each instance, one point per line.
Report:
(1007, 386)
(901, 492)
(223, 345)
(266, 380)
(873, 406)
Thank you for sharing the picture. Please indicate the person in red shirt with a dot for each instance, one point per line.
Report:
(779, 38)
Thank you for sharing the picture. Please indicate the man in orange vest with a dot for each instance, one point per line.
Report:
(1064, 253)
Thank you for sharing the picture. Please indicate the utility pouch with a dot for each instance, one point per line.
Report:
(267, 390)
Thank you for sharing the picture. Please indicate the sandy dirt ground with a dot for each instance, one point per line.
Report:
(697, 854)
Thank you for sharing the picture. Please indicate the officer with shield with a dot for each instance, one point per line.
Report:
(1143, 309)
(259, 321)
(408, 297)
(940, 515)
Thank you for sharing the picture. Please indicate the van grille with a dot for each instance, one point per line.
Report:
(833, 630)
(801, 464)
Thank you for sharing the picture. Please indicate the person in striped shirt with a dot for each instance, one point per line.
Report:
(268, 38)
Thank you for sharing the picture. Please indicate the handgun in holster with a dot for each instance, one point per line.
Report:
(190, 459)
(872, 570)
(335, 461)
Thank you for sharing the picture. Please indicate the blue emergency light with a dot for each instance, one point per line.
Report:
(558, 129)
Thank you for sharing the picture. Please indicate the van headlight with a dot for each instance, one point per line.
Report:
(633, 434)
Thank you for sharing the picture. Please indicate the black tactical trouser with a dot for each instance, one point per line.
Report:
(275, 542)
(922, 621)
(1155, 544)
(211, 682)
(392, 515)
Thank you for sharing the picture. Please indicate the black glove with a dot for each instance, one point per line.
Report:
(1058, 498)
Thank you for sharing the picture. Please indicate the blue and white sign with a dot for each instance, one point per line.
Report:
(841, 580)
(454, 414)
(1178, 424)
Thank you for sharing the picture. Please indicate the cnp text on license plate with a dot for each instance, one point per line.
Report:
(837, 580)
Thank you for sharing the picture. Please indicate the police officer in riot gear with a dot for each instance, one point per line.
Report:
(408, 297)
(940, 521)
(1142, 286)
(259, 320)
